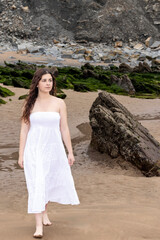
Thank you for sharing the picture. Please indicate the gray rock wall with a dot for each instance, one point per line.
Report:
(97, 21)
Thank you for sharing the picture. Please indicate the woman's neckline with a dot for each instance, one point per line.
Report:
(45, 112)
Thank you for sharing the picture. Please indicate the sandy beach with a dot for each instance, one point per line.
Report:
(117, 201)
(39, 59)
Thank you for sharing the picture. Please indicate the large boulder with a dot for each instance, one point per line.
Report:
(123, 82)
(116, 132)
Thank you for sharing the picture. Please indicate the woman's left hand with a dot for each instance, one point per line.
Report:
(70, 159)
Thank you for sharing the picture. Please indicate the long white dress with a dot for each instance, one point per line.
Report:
(46, 168)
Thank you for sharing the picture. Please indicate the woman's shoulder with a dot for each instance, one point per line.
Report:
(59, 101)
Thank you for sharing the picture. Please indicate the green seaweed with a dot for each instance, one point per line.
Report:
(4, 92)
(22, 97)
(86, 78)
(2, 101)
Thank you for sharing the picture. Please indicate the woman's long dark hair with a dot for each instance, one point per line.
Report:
(33, 92)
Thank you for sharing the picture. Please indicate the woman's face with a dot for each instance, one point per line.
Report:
(46, 83)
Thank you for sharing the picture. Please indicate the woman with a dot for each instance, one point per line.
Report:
(41, 151)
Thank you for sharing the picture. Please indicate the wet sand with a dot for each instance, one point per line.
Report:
(117, 201)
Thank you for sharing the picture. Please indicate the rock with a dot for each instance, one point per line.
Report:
(81, 41)
(5, 92)
(106, 60)
(142, 57)
(42, 50)
(69, 56)
(118, 21)
(55, 41)
(19, 83)
(156, 61)
(25, 48)
(90, 73)
(25, 51)
(123, 59)
(95, 6)
(79, 87)
(123, 82)
(156, 7)
(87, 66)
(112, 67)
(123, 67)
(157, 22)
(13, 7)
(149, 41)
(156, 44)
(80, 51)
(20, 18)
(88, 57)
(103, 58)
(22, 46)
(139, 46)
(78, 56)
(54, 70)
(2, 101)
(23, 97)
(118, 44)
(88, 51)
(25, 9)
(142, 67)
(118, 51)
(32, 49)
(116, 132)
(134, 56)
(156, 65)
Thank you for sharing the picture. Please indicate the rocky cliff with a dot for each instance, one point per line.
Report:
(97, 21)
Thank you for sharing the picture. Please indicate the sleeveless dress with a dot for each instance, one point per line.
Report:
(46, 168)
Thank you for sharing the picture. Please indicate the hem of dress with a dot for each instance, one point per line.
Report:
(34, 212)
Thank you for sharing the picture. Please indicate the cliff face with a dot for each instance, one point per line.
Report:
(97, 21)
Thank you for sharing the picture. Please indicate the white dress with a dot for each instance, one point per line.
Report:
(46, 168)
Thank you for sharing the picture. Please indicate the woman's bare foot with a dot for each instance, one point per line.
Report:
(39, 232)
(46, 220)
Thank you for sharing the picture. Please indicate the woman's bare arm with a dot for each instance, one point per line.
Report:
(23, 136)
(65, 132)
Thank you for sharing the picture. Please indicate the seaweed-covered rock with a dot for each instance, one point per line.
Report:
(54, 70)
(18, 82)
(142, 67)
(2, 101)
(61, 95)
(124, 82)
(115, 131)
(123, 67)
(5, 92)
(22, 96)
(79, 87)
(156, 65)
(89, 73)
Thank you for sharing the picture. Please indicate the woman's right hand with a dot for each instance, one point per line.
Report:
(20, 162)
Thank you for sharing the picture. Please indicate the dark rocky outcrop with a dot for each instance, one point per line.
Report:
(142, 67)
(123, 67)
(91, 20)
(124, 82)
(115, 131)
